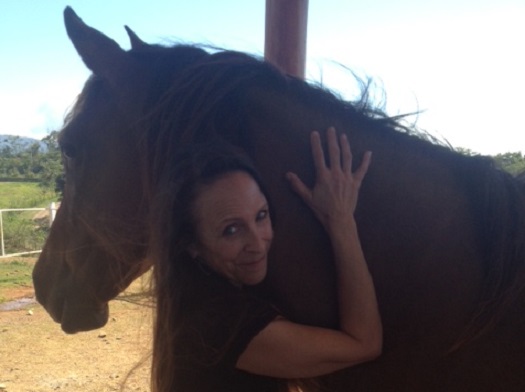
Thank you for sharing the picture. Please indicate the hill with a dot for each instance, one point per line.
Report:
(13, 145)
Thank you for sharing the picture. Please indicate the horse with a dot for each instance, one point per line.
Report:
(443, 233)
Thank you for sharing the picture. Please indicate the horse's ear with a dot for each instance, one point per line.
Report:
(134, 39)
(101, 54)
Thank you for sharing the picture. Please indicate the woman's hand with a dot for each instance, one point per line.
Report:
(333, 198)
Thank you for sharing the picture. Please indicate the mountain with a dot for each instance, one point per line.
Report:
(17, 144)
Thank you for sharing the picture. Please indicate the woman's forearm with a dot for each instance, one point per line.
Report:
(359, 313)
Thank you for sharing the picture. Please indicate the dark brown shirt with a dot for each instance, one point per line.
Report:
(220, 321)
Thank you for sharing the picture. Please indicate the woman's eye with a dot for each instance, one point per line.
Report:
(230, 230)
(263, 214)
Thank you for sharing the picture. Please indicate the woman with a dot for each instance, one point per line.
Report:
(211, 235)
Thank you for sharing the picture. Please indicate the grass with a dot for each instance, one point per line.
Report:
(22, 232)
(14, 273)
(24, 195)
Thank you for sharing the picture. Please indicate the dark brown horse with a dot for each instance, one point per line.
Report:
(444, 234)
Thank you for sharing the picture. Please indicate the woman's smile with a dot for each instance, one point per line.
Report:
(252, 265)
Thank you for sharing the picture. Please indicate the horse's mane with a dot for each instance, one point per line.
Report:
(204, 98)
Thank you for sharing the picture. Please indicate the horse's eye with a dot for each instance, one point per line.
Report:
(69, 150)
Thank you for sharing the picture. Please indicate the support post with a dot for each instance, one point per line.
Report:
(285, 35)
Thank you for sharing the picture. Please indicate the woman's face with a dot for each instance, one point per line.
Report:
(233, 226)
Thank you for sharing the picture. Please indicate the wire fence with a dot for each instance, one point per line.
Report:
(23, 231)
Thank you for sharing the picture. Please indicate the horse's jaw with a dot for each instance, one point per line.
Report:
(74, 279)
(68, 299)
(75, 312)
(75, 287)
(76, 318)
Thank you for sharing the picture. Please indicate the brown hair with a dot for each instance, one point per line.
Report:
(172, 231)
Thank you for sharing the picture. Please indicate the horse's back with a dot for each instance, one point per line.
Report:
(419, 229)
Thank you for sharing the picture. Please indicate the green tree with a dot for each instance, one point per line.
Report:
(512, 162)
(466, 151)
(51, 141)
(52, 174)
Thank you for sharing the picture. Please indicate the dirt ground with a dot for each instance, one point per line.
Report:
(36, 356)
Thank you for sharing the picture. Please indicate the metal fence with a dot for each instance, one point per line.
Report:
(52, 212)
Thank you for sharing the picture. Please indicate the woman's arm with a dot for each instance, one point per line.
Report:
(289, 350)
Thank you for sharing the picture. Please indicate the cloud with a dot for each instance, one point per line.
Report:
(37, 111)
(462, 70)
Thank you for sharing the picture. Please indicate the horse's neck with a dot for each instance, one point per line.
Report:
(408, 207)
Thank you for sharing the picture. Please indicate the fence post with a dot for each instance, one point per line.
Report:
(2, 233)
(52, 212)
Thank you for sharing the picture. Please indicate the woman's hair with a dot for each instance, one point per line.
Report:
(172, 231)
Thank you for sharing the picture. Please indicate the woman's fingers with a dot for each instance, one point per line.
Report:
(360, 173)
(299, 187)
(335, 192)
(340, 158)
(341, 155)
(334, 152)
(346, 154)
(317, 153)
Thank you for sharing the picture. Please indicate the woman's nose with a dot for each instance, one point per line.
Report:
(257, 241)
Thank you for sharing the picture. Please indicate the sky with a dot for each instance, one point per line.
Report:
(459, 63)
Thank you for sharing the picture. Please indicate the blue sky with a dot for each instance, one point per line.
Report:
(460, 62)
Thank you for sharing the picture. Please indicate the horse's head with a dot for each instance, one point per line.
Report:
(98, 240)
